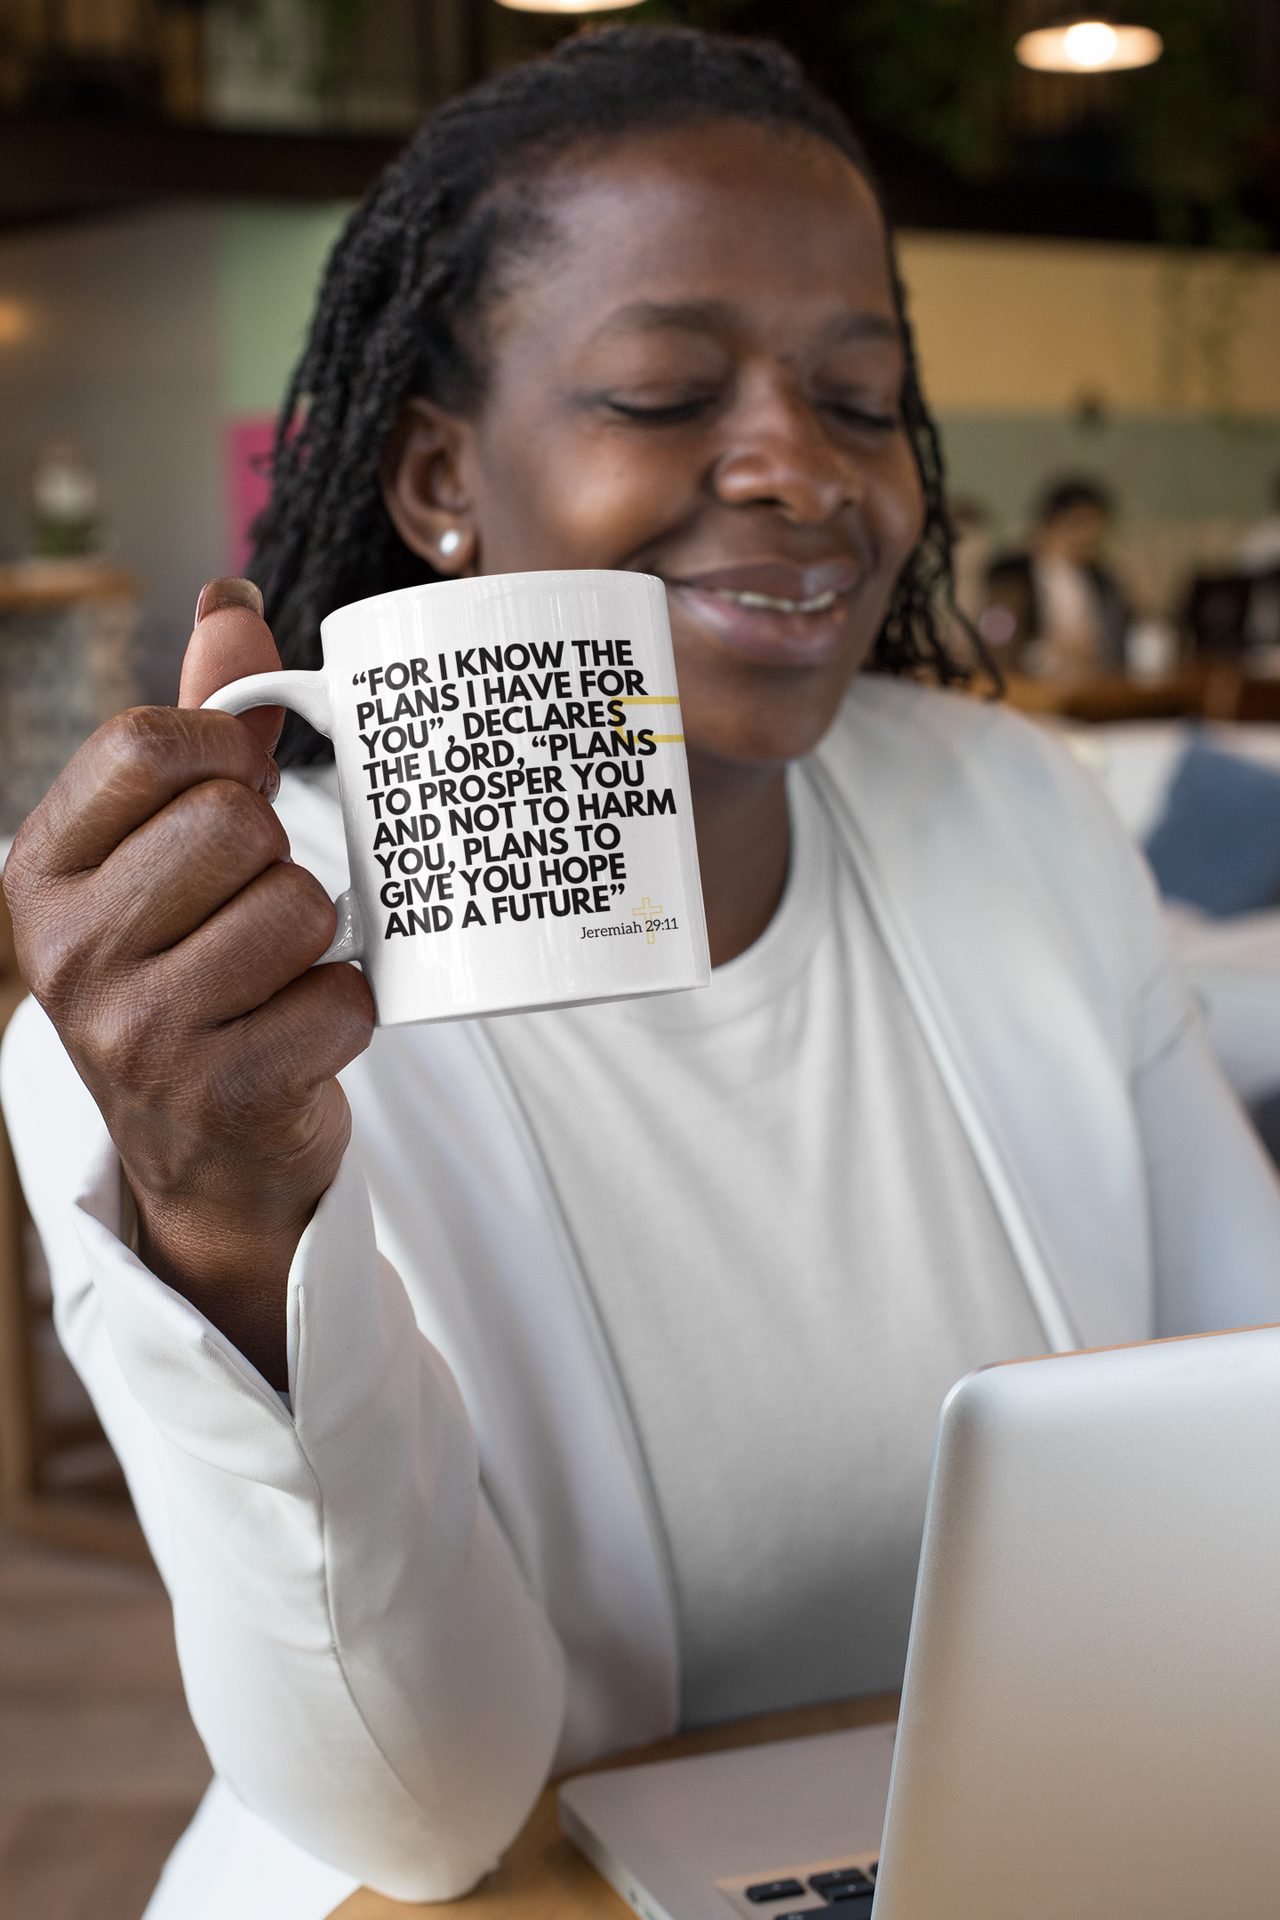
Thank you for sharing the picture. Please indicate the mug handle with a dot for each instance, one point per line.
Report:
(306, 694)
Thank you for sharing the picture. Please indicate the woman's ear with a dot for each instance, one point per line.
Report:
(420, 473)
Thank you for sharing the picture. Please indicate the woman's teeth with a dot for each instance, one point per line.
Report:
(773, 604)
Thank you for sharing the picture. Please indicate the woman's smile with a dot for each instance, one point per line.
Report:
(772, 611)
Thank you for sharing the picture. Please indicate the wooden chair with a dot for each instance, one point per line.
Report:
(59, 1480)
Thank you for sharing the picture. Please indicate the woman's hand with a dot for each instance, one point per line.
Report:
(164, 930)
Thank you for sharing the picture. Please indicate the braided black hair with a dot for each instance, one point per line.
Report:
(404, 292)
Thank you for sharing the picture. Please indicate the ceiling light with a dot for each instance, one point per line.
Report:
(567, 6)
(1089, 46)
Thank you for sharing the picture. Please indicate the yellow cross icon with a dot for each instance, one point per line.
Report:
(647, 910)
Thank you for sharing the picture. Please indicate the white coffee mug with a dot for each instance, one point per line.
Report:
(514, 793)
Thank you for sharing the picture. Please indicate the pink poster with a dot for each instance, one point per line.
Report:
(248, 440)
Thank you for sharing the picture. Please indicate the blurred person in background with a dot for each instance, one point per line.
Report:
(1055, 610)
(1259, 548)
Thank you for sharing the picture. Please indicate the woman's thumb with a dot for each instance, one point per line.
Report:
(231, 639)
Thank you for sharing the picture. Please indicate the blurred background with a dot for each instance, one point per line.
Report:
(1089, 218)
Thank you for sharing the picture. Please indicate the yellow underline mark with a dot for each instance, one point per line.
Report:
(654, 700)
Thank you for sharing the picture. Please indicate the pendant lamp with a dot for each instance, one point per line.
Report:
(567, 6)
(1087, 44)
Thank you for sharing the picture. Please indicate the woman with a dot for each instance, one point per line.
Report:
(702, 1268)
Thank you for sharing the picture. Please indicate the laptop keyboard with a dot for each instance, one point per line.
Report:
(801, 1892)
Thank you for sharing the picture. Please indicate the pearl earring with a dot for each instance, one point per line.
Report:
(450, 542)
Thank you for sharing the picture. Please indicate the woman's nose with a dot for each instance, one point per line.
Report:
(779, 456)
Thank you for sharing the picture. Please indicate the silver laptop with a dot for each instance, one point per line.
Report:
(1090, 1722)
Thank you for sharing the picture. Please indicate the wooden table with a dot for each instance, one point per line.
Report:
(1208, 689)
(544, 1877)
(1115, 696)
(49, 585)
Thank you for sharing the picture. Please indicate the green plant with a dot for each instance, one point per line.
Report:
(943, 72)
(938, 71)
(337, 24)
(1189, 122)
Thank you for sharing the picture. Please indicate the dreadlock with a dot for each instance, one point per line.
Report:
(404, 293)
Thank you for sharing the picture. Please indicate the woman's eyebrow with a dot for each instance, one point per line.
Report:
(865, 326)
(652, 316)
(715, 316)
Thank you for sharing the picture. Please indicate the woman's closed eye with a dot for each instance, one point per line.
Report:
(661, 409)
(865, 415)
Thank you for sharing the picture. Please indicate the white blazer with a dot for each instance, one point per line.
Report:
(401, 1603)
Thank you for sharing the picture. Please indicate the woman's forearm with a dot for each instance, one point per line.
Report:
(362, 1657)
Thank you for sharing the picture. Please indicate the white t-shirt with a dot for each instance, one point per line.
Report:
(822, 1263)
(1068, 601)
(1259, 548)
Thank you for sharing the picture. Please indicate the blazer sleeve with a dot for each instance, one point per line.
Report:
(1213, 1194)
(362, 1657)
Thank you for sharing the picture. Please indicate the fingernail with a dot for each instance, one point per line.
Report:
(228, 593)
(271, 784)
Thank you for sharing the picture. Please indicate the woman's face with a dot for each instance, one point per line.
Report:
(696, 375)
